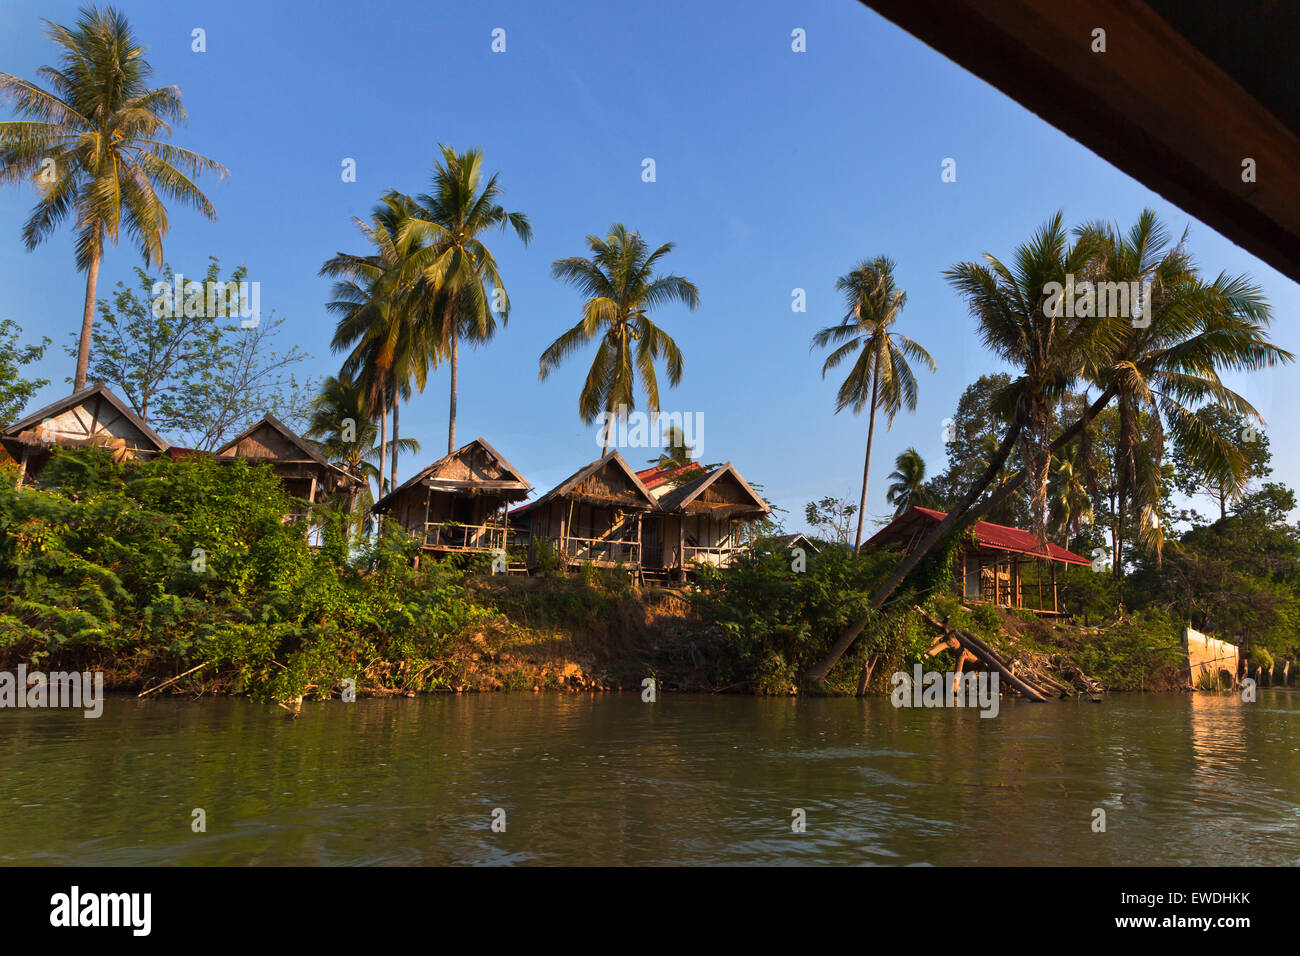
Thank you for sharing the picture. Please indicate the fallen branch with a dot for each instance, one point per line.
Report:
(168, 683)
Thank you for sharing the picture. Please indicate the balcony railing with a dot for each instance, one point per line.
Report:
(719, 556)
(465, 537)
(601, 550)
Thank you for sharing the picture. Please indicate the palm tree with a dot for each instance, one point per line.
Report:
(907, 486)
(93, 145)
(377, 300)
(1169, 363)
(443, 233)
(1069, 504)
(880, 378)
(342, 400)
(1010, 305)
(621, 287)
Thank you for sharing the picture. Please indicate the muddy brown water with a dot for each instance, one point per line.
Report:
(607, 779)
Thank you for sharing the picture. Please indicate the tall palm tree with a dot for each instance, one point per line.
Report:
(1010, 304)
(1169, 363)
(380, 319)
(907, 482)
(621, 287)
(444, 232)
(880, 378)
(93, 145)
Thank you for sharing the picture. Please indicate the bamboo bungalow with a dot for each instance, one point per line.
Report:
(991, 568)
(700, 521)
(459, 503)
(92, 416)
(595, 515)
(305, 472)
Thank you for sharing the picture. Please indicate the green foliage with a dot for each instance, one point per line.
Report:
(16, 391)
(192, 373)
(165, 565)
(1143, 651)
(772, 622)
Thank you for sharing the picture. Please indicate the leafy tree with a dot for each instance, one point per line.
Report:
(831, 518)
(1250, 442)
(199, 378)
(621, 287)
(16, 391)
(93, 145)
(880, 379)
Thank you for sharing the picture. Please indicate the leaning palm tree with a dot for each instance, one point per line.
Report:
(92, 143)
(444, 232)
(1168, 362)
(621, 287)
(907, 482)
(1012, 308)
(880, 379)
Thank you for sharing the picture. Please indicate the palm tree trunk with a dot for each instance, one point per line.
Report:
(396, 404)
(451, 415)
(383, 447)
(823, 667)
(866, 467)
(609, 431)
(87, 323)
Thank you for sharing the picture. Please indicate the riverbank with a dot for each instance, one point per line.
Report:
(151, 570)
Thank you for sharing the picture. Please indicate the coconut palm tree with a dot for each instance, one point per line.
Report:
(1010, 303)
(378, 300)
(622, 287)
(907, 482)
(1167, 363)
(93, 144)
(341, 429)
(1069, 504)
(880, 379)
(443, 233)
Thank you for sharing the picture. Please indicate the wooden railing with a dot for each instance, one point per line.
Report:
(601, 549)
(718, 556)
(465, 537)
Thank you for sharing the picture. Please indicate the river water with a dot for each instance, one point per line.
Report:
(607, 779)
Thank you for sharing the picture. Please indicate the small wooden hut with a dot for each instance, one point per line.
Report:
(92, 416)
(700, 521)
(305, 472)
(460, 502)
(594, 515)
(999, 565)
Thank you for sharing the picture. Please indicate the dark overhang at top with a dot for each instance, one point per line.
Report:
(1185, 91)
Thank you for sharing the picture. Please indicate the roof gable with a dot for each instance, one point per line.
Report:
(86, 416)
(475, 466)
(607, 480)
(722, 491)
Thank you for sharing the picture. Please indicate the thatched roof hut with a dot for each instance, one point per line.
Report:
(92, 416)
(459, 502)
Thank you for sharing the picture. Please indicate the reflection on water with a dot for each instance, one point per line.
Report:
(608, 779)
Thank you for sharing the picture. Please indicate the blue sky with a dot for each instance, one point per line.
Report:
(775, 170)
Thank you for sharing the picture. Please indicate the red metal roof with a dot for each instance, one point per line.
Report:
(999, 537)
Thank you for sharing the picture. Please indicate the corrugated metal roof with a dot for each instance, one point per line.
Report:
(999, 537)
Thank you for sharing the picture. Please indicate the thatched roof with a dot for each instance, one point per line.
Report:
(463, 472)
(695, 497)
(585, 485)
(306, 454)
(28, 432)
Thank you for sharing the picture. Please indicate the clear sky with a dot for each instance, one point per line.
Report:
(776, 170)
